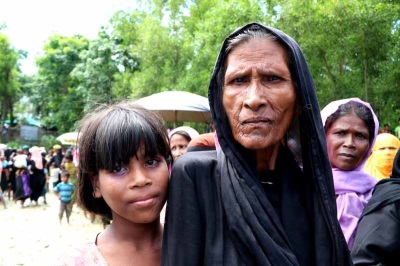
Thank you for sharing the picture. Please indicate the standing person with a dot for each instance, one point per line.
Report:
(71, 169)
(380, 163)
(54, 175)
(57, 157)
(64, 191)
(5, 184)
(397, 129)
(179, 140)
(265, 196)
(377, 240)
(351, 127)
(123, 175)
(38, 177)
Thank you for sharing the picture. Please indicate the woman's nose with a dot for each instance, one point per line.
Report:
(255, 97)
(349, 141)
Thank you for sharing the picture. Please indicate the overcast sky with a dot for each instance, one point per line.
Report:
(30, 22)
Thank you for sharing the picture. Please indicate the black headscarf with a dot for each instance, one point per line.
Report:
(258, 233)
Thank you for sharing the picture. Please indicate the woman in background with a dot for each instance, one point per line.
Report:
(179, 140)
(380, 163)
(351, 128)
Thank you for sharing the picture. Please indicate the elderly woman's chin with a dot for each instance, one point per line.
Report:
(258, 140)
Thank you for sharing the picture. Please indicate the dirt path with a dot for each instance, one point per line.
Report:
(33, 235)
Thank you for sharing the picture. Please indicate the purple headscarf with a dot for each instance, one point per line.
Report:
(352, 188)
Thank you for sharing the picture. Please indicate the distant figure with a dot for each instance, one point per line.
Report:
(377, 240)
(397, 130)
(380, 163)
(64, 191)
(179, 140)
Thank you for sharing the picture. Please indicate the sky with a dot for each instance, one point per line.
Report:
(31, 22)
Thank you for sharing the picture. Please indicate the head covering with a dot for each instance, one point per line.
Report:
(380, 163)
(259, 237)
(57, 147)
(190, 131)
(202, 142)
(386, 191)
(353, 188)
(37, 156)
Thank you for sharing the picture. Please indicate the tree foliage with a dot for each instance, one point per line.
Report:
(9, 79)
(56, 95)
(352, 47)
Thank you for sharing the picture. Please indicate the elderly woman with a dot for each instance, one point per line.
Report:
(265, 196)
(351, 127)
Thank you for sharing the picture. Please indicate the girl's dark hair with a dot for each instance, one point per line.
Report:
(111, 135)
(183, 134)
(360, 110)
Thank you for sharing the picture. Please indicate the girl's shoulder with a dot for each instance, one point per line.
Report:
(86, 254)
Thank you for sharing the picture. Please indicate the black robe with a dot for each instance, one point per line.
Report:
(219, 211)
(378, 233)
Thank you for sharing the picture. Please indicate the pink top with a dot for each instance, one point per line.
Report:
(86, 254)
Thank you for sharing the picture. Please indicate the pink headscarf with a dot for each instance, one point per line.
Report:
(352, 188)
(37, 157)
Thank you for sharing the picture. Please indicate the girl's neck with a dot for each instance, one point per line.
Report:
(138, 235)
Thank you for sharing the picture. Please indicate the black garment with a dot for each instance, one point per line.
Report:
(378, 234)
(37, 180)
(218, 212)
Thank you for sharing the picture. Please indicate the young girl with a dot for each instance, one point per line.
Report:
(123, 175)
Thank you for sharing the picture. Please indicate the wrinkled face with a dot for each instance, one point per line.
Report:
(135, 192)
(178, 144)
(347, 141)
(259, 96)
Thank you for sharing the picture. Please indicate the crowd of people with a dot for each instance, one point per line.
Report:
(279, 181)
(28, 173)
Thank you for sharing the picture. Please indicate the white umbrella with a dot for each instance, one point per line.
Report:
(70, 138)
(178, 106)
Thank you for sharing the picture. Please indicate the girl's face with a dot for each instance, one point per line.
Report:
(348, 141)
(135, 192)
(178, 144)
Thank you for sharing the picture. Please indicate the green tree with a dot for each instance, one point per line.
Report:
(348, 44)
(55, 91)
(9, 75)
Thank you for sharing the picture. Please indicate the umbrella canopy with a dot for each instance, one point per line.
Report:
(178, 106)
(70, 138)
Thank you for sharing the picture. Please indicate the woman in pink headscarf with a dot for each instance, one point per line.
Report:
(38, 177)
(351, 127)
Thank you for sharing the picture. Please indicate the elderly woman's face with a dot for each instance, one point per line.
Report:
(258, 96)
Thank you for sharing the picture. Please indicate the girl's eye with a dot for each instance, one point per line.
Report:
(340, 133)
(118, 169)
(152, 162)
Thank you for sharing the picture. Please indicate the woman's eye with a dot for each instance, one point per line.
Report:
(272, 78)
(361, 136)
(340, 133)
(239, 80)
